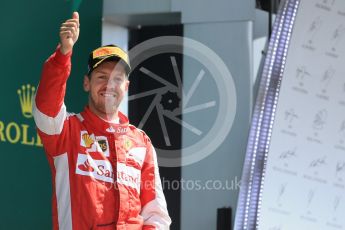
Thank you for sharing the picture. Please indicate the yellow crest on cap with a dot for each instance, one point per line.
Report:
(109, 51)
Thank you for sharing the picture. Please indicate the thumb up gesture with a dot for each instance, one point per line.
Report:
(69, 33)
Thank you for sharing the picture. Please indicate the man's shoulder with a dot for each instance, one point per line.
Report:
(74, 118)
(71, 115)
(140, 132)
(133, 128)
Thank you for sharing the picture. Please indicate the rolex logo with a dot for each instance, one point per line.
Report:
(26, 95)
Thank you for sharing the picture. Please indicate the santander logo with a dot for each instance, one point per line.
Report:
(86, 167)
(98, 169)
(102, 170)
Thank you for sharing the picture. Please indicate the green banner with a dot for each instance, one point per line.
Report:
(29, 35)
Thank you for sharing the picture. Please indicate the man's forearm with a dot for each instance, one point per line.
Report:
(52, 87)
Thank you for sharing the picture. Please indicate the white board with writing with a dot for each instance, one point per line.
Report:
(304, 183)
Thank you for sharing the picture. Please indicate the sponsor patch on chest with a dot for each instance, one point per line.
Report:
(94, 143)
(102, 170)
(98, 169)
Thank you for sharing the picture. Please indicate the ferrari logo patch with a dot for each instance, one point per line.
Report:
(127, 144)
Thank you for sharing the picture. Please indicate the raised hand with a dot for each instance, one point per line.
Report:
(69, 33)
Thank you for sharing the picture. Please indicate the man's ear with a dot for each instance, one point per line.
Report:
(127, 85)
(86, 83)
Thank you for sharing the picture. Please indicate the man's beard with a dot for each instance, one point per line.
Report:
(109, 106)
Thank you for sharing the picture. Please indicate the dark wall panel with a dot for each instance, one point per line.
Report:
(166, 100)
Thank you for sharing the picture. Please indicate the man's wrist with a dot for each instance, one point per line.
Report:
(61, 58)
(65, 50)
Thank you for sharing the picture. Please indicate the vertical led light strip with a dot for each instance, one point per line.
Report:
(253, 176)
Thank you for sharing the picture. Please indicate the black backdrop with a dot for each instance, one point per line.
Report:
(161, 66)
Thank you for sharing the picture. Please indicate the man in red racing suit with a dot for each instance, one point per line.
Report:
(104, 170)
